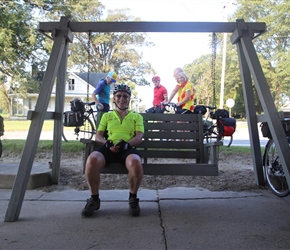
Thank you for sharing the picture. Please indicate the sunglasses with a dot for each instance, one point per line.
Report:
(156, 81)
(124, 96)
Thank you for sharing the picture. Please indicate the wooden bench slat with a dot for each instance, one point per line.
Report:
(159, 144)
(171, 126)
(186, 169)
(169, 154)
(169, 117)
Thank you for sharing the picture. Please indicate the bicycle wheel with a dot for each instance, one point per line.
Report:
(86, 131)
(273, 170)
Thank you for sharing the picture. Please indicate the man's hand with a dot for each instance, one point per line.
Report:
(122, 145)
(109, 144)
(100, 106)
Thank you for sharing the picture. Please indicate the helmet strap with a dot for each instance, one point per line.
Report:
(120, 108)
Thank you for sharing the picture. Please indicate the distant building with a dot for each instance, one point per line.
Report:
(76, 86)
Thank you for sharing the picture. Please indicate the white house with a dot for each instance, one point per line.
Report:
(76, 86)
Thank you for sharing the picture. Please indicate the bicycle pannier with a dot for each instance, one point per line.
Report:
(265, 130)
(1, 126)
(72, 119)
(220, 113)
(267, 133)
(77, 105)
(226, 126)
(199, 109)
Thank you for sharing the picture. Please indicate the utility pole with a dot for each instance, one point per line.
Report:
(225, 10)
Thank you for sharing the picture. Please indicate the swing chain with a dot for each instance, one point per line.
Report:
(88, 63)
(213, 71)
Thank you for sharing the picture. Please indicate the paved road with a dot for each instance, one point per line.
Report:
(241, 136)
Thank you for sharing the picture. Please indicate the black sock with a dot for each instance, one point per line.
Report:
(132, 195)
(95, 197)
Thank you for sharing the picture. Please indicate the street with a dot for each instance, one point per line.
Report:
(240, 137)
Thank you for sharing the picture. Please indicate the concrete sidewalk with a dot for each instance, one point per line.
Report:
(177, 218)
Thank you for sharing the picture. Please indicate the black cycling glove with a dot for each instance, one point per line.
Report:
(109, 144)
(123, 145)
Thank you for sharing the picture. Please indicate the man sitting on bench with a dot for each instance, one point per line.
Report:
(125, 131)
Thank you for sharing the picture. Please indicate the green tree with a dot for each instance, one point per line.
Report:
(19, 47)
(102, 52)
(273, 46)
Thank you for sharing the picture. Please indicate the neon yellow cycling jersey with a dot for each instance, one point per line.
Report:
(121, 129)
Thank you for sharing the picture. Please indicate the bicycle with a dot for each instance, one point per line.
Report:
(214, 125)
(212, 131)
(273, 169)
(84, 126)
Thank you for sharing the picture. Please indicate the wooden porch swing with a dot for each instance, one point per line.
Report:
(62, 34)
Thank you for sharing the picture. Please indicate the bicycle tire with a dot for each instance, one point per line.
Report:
(230, 141)
(86, 131)
(273, 171)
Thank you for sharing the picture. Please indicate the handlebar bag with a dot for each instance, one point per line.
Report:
(77, 105)
(199, 109)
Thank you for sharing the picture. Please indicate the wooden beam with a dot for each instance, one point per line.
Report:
(222, 27)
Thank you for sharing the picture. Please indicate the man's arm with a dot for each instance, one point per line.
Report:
(100, 137)
(137, 139)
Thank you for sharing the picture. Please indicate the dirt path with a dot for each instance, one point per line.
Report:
(235, 174)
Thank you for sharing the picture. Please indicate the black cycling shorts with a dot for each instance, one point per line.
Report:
(119, 157)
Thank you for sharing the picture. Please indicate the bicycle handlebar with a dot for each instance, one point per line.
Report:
(210, 107)
(89, 103)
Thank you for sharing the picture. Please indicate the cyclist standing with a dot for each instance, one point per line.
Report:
(160, 96)
(101, 94)
(160, 92)
(185, 92)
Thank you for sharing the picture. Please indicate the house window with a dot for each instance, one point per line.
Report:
(71, 84)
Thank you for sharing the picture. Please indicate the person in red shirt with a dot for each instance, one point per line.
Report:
(160, 96)
(160, 92)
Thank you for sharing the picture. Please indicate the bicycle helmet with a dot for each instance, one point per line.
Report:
(123, 88)
(155, 78)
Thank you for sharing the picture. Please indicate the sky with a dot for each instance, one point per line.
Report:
(173, 50)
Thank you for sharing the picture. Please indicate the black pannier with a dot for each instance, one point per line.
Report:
(266, 131)
(220, 113)
(73, 119)
(199, 109)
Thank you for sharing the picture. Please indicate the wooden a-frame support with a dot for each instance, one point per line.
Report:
(62, 34)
